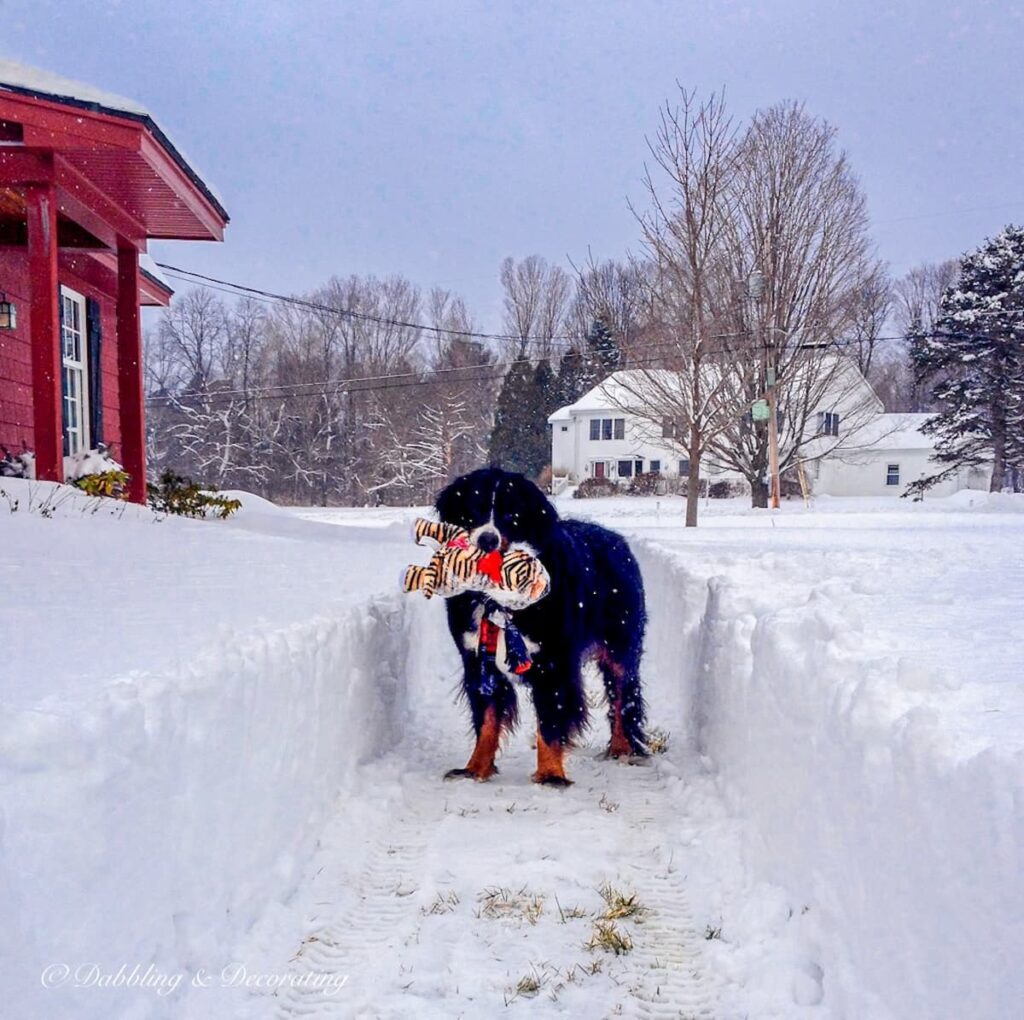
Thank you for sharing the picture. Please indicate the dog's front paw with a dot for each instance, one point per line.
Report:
(480, 777)
(551, 780)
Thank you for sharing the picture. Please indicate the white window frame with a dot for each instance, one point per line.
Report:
(75, 371)
(828, 423)
(892, 477)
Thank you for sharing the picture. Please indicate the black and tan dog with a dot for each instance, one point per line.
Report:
(594, 611)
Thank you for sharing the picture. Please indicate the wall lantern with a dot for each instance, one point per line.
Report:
(8, 314)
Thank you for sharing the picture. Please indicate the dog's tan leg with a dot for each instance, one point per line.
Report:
(481, 762)
(618, 746)
(550, 764)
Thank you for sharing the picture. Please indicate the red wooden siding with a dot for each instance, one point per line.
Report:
(15, 358)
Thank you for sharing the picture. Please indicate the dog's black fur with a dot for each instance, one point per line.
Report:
(595, 608)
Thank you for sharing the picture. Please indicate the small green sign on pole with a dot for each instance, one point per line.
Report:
(759, 410)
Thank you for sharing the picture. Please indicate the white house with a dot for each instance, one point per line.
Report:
(888, 454)
(862, 450)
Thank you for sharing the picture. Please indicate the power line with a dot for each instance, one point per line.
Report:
(187, 276)
(416, 378)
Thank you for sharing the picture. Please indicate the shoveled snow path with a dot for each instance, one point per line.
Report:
(407, 934)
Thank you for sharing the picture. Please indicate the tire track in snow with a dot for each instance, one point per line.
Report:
(384, 915)
(671, 979)
(412, 851)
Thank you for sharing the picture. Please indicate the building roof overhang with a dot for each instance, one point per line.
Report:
(117, 174)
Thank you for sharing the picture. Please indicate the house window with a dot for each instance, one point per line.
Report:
(892, 474)
(828, 423)
(606, 428)
(625, 469)
(655, 467)
(565, 428)
(684, 468)
(73, 360)
(668, 429)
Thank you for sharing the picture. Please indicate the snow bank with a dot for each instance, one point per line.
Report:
(903, 850)
(152, 825)
(181, 703)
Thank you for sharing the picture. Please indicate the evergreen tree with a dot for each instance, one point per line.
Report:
(974, 360)
(572, 378)
(603, 351)
(545, 403)
(520, 440)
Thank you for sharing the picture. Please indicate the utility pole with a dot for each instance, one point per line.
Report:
(769, 372)
(773, 423)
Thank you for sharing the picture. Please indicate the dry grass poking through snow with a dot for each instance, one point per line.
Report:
(444, 903)
(618, 905)
(608, 936)
(657, 741)
(499, 904)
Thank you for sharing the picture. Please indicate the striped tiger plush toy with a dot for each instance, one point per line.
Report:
(514, 579)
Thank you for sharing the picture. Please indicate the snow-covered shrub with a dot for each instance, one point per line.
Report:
(726, 490)
(175, 494)
(21, 465)
(111, 484)
(646, 483)
(591, 487)
(97, 473)
(90, 462)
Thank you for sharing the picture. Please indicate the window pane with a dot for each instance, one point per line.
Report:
(620, 428)
(684, 468)
(625, 469)
(655, 466)
(595, 428)
(606, 428)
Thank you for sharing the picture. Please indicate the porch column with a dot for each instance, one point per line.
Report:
(44, 332)
(129, 370)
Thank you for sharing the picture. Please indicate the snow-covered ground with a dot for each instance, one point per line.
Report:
(221, 743)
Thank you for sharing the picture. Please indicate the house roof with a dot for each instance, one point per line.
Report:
(94, 157)
(625, 388)
(614, 393)
(894, 432)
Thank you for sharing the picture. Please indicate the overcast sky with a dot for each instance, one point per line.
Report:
(433, 138)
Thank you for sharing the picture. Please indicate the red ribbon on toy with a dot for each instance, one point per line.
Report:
(490, 566)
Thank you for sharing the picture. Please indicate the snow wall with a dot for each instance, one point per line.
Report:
(155, 824)
(906, 855)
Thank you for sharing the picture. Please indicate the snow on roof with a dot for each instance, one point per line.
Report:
(617, 391)
(894, 432)
(14, 75)
(151, 269)
(18, 77)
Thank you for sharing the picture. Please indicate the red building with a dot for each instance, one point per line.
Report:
(86, 180)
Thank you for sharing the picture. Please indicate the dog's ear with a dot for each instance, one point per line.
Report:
(446, 500)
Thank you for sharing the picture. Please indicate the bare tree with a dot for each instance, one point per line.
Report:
(800, 223)
(870, 306)
(192, 334)
(916, 304)
(918, 294)
(536, 304)
(614, 293)
(692, 194)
